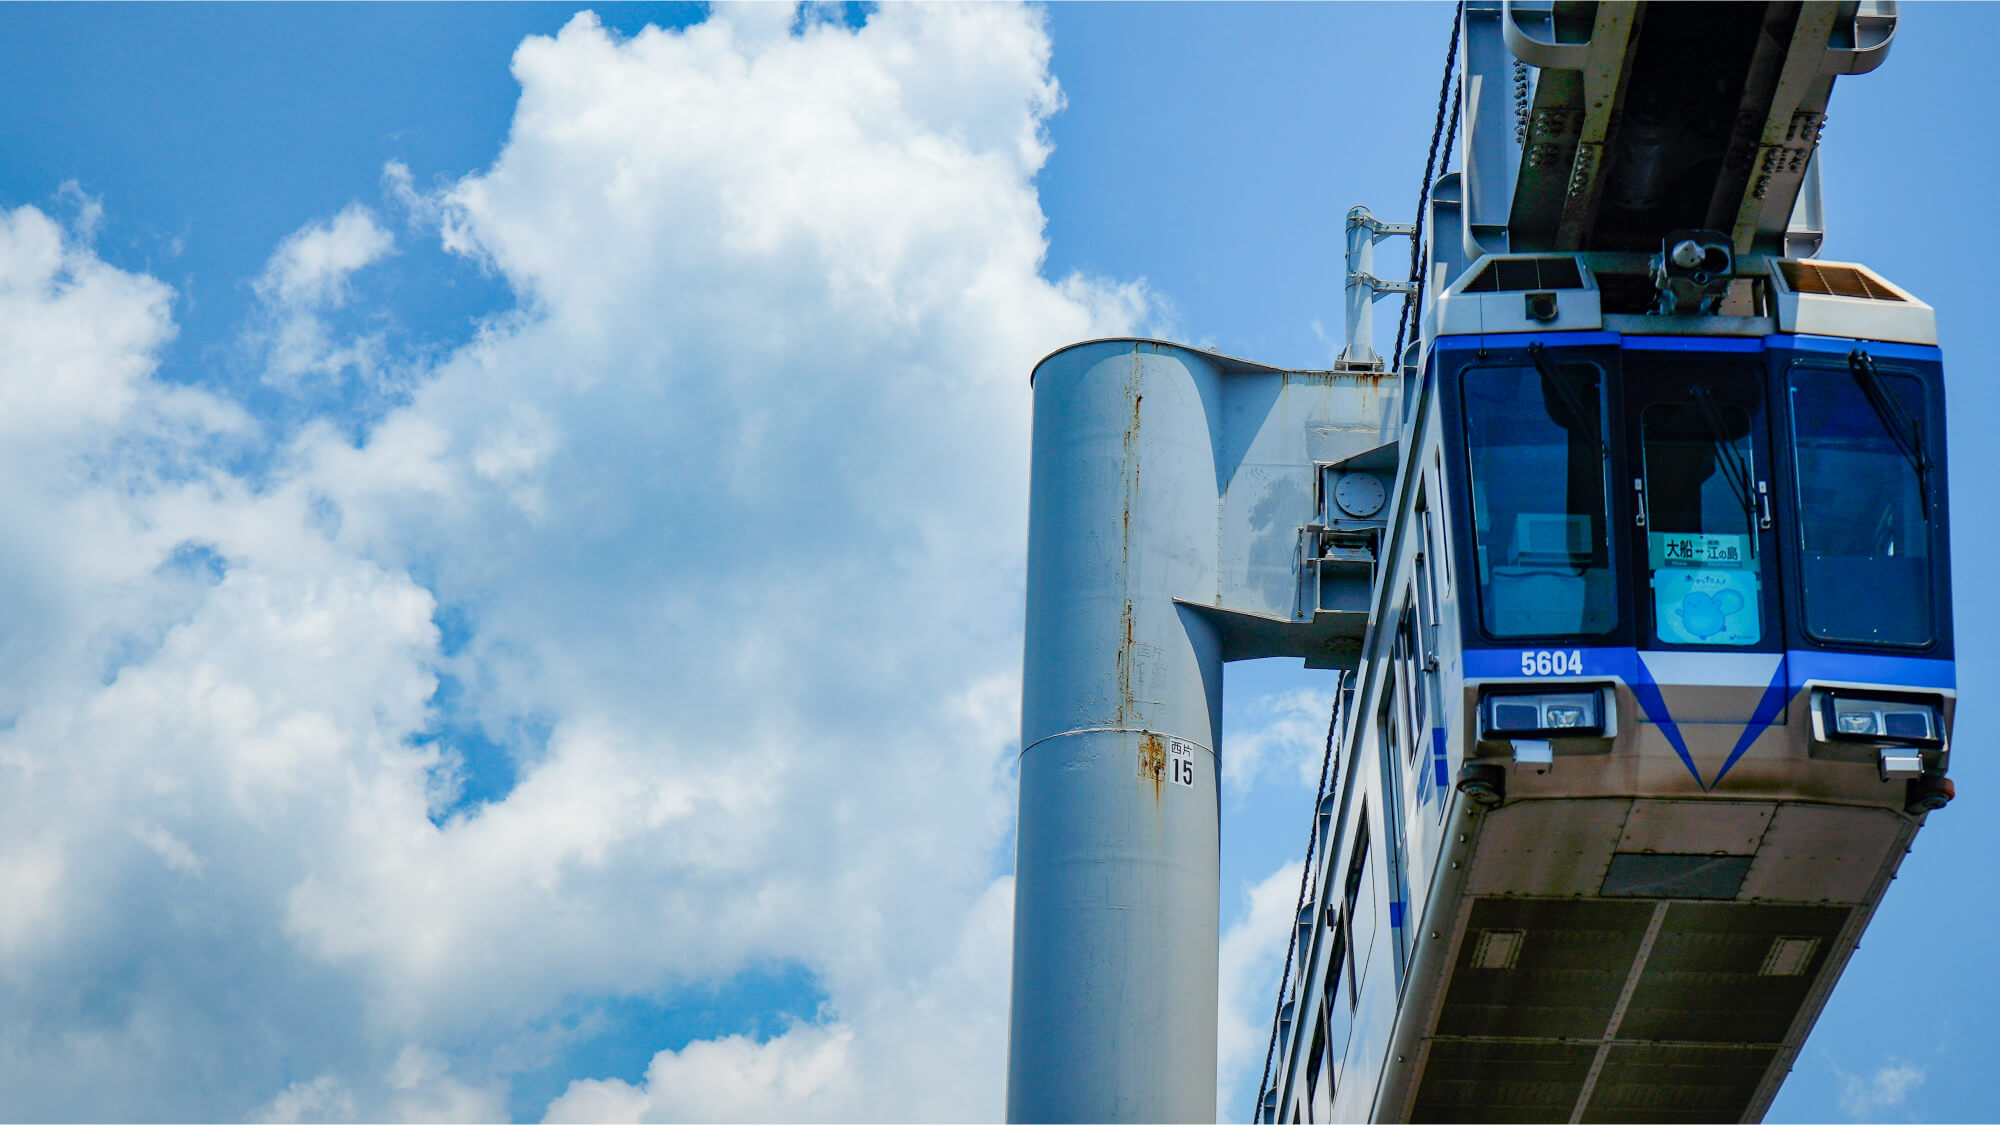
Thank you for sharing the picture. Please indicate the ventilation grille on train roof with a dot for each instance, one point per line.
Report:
(1510, 275)
(1835, 281)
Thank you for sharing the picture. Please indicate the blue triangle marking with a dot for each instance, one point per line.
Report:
(1768, 707)
(1648, 693)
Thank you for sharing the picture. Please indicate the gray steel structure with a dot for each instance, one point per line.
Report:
(1166, 499)
(1633, 906)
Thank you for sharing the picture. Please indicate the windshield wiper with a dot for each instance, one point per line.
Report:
(1728, 458)
(1539, 356)
(1903, 430)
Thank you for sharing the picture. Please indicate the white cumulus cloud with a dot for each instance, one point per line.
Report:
(1285, 734)
(309, 275)
(1866, 1096)
(1252, 960)
(727, 515)
(311, 267)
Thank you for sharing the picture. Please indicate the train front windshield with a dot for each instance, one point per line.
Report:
(1539, 500)
(1682, 498)
(1864, 534)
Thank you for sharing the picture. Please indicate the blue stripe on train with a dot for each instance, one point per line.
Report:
(1693, 343)
(1506, 663)
(1879, 348)
(1870, 668)
(1888, 670)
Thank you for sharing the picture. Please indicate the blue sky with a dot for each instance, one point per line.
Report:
(516, 541)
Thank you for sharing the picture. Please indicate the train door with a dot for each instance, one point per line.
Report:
(1700, 469)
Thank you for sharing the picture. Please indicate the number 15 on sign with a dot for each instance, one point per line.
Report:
(1180, 763)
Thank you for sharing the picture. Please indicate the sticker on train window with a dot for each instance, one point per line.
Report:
(1551, 662)
(1180, 762)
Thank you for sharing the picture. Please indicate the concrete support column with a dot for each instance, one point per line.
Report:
(1114, 987)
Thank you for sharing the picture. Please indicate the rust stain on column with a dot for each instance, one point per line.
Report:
(1152, 762)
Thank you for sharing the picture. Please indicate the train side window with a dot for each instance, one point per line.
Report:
(1336, 1013)
(1336, 964)
(1430, 564)
(1536, 439)
(1357, 869)
(1322, 1099)
(1439, 532)
(1701, 510)
(1430, 581)
(1396, 716)
(1318, 1051)
(1410, 687)
(1864, 533)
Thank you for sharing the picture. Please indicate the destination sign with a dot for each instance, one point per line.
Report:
(1694, 549)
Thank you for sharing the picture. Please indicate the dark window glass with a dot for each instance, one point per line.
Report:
(1313, 1058)
(1338, 1016)
(1701, 531)
(1538, 500)
(1337, 964)
(1410, 681)
(1357, 869)
(1864, 533)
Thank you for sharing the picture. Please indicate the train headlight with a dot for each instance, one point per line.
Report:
(1861, 718)
(1565, 716)
(1568, 714)
(1858, 722)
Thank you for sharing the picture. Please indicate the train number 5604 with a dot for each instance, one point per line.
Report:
(1551, 662)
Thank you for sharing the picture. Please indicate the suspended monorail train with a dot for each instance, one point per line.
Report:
(1662, 690)
(1633, 569)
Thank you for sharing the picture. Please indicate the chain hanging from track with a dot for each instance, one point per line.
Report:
(1326, 768)
(1447, 133)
